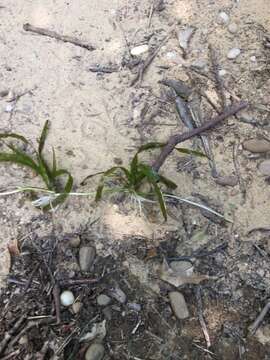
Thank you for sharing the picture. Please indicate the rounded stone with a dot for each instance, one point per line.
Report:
(182, 267)
(67, 298)
(222, 72)
(75, 241)
(178, 305)
(264, 168)
(256, 145)
(103, 300)
(86, 257)
(138, 50)
(223, 18)
(95, 352)
(233, 28)
(233, 53)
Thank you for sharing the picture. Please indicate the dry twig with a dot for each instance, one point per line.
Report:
(176, 139)
(55, 35)
(201, 318)
(253, 328)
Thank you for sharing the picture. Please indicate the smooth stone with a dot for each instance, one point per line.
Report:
(118, 295)
(75, 241)
(178, 305)
(95, 352)
(103, 300)
(199, 64)
(253, 59)
(76, 307)
(222, 72)
(256, 146)
(107, 312)
(67, 298)
(182, 267)
(264, 167)
(138, 50)
(86, 257)
(184, 37)
(233, 53)
(233, 28)
(229, 180)
(9, 107)
(223, 18)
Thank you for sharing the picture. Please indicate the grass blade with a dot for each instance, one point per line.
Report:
(43, 136)
(19, 158)
(14, 136)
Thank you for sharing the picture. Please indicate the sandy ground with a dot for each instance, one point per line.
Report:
(97, 120)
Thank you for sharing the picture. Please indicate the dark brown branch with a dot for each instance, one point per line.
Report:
(55, 35)
(176, 139)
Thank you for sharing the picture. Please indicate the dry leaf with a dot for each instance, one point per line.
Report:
(177, 279)
(14, 248)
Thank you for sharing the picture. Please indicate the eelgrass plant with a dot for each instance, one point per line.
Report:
(50, 174)
(130, 180)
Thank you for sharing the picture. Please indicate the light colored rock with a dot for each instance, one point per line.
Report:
(118, 295)
(253, 59)
(233, 53)
(178, 305)
(263, 335)
(95, 352)
(76, 307)
(75, 241)
(103, 300)
(256, 145)
(67, 298)
(9, 107)
(139, 50)
(233, 28)
(86, 257)
(182, 267)
(264, 168)
(222, 72)
(199, 64)
(223, 18)
(184, 37)
(227, 180)
(134, 306)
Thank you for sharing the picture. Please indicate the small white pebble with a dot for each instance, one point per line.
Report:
(67, 298)
(9, 108)
(233, 28)
(223, 18)
(138, 50)
(233, 53)
(253, 58)
(222, 72)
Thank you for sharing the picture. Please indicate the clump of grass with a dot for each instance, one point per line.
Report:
(50, 174)
(130, 180)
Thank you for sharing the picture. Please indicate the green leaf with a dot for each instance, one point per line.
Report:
(14, 136)
(190, 152)
(54, 165)
(19, 158)
(99, 191)
(151, 145)
(43, 136)
(153, 177)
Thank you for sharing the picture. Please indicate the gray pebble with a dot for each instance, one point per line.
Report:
(229, 180)
(86, 257)
(103, 300)
(75, 241)
(95, 352)
(107, 311)
(178, 305)
(199, 64)
(223, 18)
(256, 145)
(222, 72)
(118, 295)
(233, 53)
(233, 28)
(264, 167)
(134, 306)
